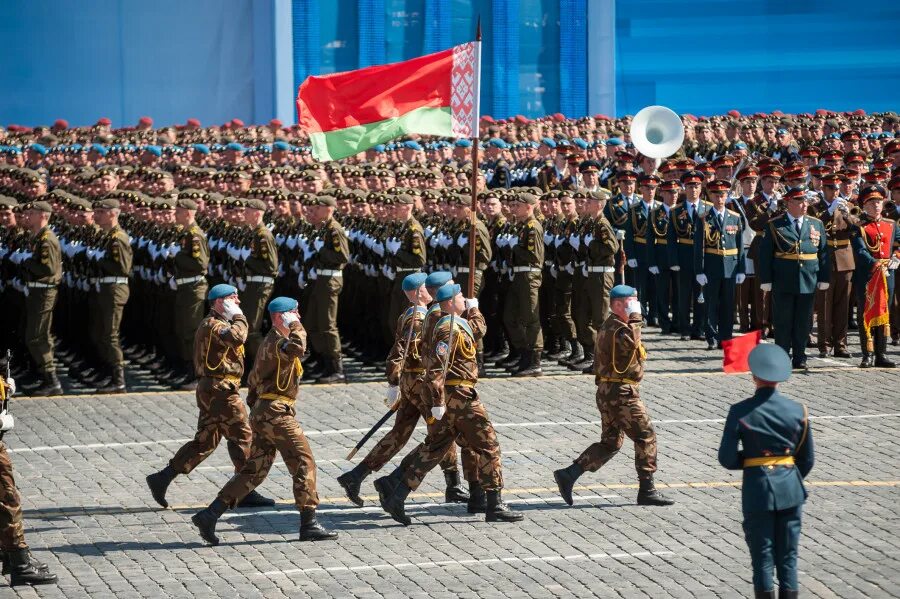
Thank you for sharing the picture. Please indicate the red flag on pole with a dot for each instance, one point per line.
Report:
(737, 351)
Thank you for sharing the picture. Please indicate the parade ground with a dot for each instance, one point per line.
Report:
(81, 461)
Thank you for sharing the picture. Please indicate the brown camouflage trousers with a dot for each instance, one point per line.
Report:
(12, 533)
(412, 407)
(275, 430)
(222, 414)
(468, 423)
(622, 413)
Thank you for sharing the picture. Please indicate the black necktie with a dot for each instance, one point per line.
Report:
(797, 227)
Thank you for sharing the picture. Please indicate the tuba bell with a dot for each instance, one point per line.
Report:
(657, 132)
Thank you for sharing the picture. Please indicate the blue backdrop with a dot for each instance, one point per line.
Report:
(221, 59)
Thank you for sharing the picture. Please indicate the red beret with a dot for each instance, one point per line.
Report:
(237, 123)
(559, 116)
(521, 119)
(61, 124)
(193, 122)
(777, 113)
(275, 123)
(104, 121)
(821, 112)
(734, 113)
(487, 118)
(601, 117)
(146, 120)
(859, 112)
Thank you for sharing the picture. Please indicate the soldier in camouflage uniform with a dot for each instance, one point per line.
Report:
(219, 365)
(619, 368)
(274, 384)
(451, 373)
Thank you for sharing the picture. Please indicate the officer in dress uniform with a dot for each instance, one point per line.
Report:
(638, 236)
(775, 454)
(719, 262)
(686, 218)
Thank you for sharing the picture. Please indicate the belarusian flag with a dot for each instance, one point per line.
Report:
(437, 94)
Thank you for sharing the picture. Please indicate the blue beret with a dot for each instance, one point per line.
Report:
(614, 141)
(38, 148)
(202, 148)
(379, 148)
(282, 304)
(622, 291)
(438, 278)
(13, 150)
(740, 146)
(414, 281)
(548, 142)
(155, 150)
(99, 148)
(221, 290)
(834, 136)
(412, 145)
(463, 143)
(497, 142)
(887, 135)
(782, 131)
(580, 143)
(282, 146)
(235, 146)
(448, 291)
(770, 363)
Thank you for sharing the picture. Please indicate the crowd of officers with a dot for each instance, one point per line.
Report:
(112, 238)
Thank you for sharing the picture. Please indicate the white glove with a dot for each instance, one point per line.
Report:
(620, 234)
(557, 241)
(633, 306)
(462, 240)
(318, 244)
(471, 303)
(7, 422)
(632, 263)
(588, 238)
(438, 412)
(765, 286)
(701, 279)
(575, 241)
(393, 393)
(654, 270)
(230, 309)
(11, 383)
(289, 317)
(513, 240)
(172, 285)
(739, 278)
(548, 238)
(570, 268)
(675, 268)
(824, 285)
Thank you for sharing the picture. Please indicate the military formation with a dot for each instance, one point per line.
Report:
(222, 257)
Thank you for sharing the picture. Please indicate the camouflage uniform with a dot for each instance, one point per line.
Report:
(12, 533)
(619, 368)
(219, 365)
(274, 382)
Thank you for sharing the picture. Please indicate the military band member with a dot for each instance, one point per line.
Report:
(686, 219)
(274, 383)
(451, 374)
(719, 262)
(768, 437)
(218, 362)
(875, 242)
(793, 264)
(660, 258)
(618, 369)
(746, 293)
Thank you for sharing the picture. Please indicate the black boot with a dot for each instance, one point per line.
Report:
(117, 383)
(786, 594)
(867, 360)
(501, 352)
(206, 520)
(587, 360)
(392, 494)
(532, 367)
(311, 530)
(352, 481)
(565, 479)
(522, 364)
(479, 361)
(24, 569)
(254, 499)
(511, 358)
(648, 495)
(159, 482)
(881, 361)
(764, 594)
(561, 352)
(334, 372)
(49, 386)
(552, 346)
(454, 492)
(576, 356)
(497, 511)
(477, 499)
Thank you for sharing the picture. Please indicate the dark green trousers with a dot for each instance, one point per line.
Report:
(38, 323)
(791, 314)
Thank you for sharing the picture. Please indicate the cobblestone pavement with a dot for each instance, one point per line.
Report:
(81, 462)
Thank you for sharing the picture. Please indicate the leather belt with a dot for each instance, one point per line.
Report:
(276, 397)
(526, 269)
(408, 269)
(36, 285)
(189, 280)
(838, 243)
(662, 241)
(329, 273)
(770, 461)
(720, 252)
(640, 240)
(113, 280)
(685, 241)
(260, 279)
(786, 256)
(601, 269)
(459, 383)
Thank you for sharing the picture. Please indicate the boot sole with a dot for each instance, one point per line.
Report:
(17, 583)
(569, 500)
(331, 536)
(516, 518)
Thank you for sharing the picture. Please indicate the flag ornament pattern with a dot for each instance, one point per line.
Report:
(350, 112)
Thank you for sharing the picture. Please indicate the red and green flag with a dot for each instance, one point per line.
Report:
(436, 94)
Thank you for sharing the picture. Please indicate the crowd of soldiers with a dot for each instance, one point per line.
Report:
(112, 238)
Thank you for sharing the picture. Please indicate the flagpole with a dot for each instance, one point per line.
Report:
(470, 291)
